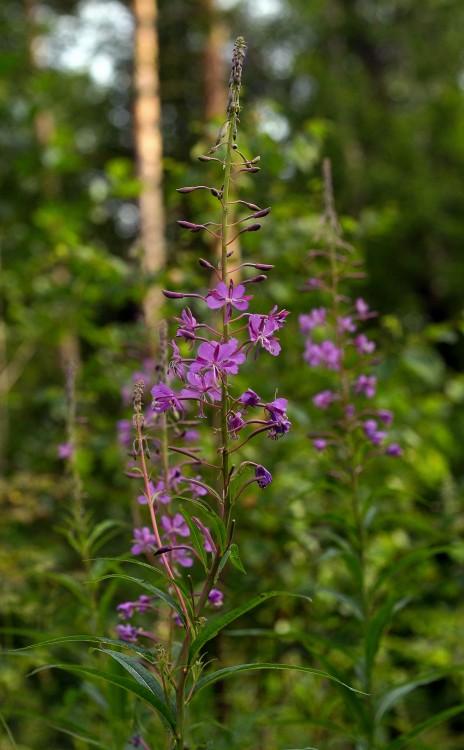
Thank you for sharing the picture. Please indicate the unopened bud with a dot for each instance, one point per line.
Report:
(252, 228)
(205, 264)
(172, 295)
(263, 266)
(162, 550)
(252, 170)
(257, 279)
(216, 193)
(191, 227)
(263, 212)
(185, 190)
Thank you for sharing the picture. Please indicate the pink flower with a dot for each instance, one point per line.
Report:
(230, 296)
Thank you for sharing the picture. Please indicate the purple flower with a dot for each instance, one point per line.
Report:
(263, 476)
(363, 345)
(215, 598)
(202, 387)
(164, 399)
(320, 444)
(127, 633)
(323, 399)
(231, 296)
(366, 384)
(174, 526)
(345, 324)
(362, 308)
(370, 430)
(277, 418)
(325, 353)
(65, 450)
(196, 489)
(144, 541)
(143, 604)
(177, 365)
(220, 358)
(188, 325)
(394, 450)
(278, 318)
(385, 416)
(261, 328)
(316, 317)
(249, 398)
(235, 423)
(126, 610)
(142, 499)
(182, 556)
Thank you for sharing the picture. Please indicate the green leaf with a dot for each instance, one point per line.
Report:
(142, 675)
(377, 625)
(391, 698)
(8, 731)
(61, 725)
(216, 625)
(90, 639)
(222, 674)
(235, 558)
(220, 531)
(144, 693)
(425, 725)
(98, 537)
(410, 559)
(197, 538)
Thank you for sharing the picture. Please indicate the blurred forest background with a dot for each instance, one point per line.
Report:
(88, 233)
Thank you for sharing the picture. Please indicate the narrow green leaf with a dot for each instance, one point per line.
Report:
(216, 522)
(131, 686)
(8, 731)
(197, 538)
(343, 599)
(142, 675)
(61, 725)
(425, 725)
(375, 628)
(222, 674)
(94, 540)
(224, 559)
(146, 653)
(215, 626)
(235, 558)
(391, 698)
(410, 559)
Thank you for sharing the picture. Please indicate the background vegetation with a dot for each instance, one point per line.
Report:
(377, 86)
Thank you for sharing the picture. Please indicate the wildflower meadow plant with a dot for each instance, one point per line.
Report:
(352, 432)
(187, 492)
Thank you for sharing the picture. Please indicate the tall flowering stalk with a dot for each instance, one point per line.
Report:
(197, 383)
(353, 431)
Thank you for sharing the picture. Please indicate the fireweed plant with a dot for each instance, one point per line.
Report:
(353, 434)
(188, 523)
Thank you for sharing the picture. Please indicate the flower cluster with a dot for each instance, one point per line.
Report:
(335, 343)
(195, 386)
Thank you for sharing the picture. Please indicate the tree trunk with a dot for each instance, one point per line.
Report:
(147, 114)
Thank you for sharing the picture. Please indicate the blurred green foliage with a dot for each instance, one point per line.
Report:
(378, 87)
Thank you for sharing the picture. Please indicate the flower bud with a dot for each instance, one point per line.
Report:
(263, 212)
(191, 227)
(206, 264)
(185, 190)
(252, 228)
(172, 295)
(263, 266)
